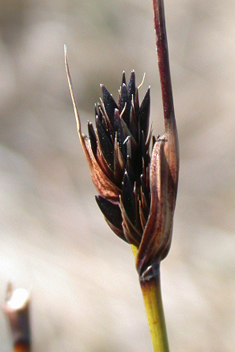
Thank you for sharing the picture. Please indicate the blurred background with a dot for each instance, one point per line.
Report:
(54, 240)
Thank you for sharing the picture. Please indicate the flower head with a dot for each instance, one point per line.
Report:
(135, 174)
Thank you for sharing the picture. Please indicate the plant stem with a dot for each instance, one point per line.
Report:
(22, 347)
(151, 289)
(163, 62)
(17, 309)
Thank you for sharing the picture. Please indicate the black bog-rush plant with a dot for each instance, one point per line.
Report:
(136, 174)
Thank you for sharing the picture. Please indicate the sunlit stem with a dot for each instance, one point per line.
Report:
(151, 290)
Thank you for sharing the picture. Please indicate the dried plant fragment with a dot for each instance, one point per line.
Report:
(16, 309)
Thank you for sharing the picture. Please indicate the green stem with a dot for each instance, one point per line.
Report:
(151, 289)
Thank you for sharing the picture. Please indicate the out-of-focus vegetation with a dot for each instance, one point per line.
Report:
(53, 239)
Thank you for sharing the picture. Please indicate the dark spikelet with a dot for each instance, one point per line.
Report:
(109, 104)
(124, 104)
(112, 214)
(128, 199)
(92, 137)
(120, 133)
(144, 113)
(105, 143)
(123, 78)
(131, 86)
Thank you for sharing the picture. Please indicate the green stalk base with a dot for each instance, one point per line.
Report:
(151, 289)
